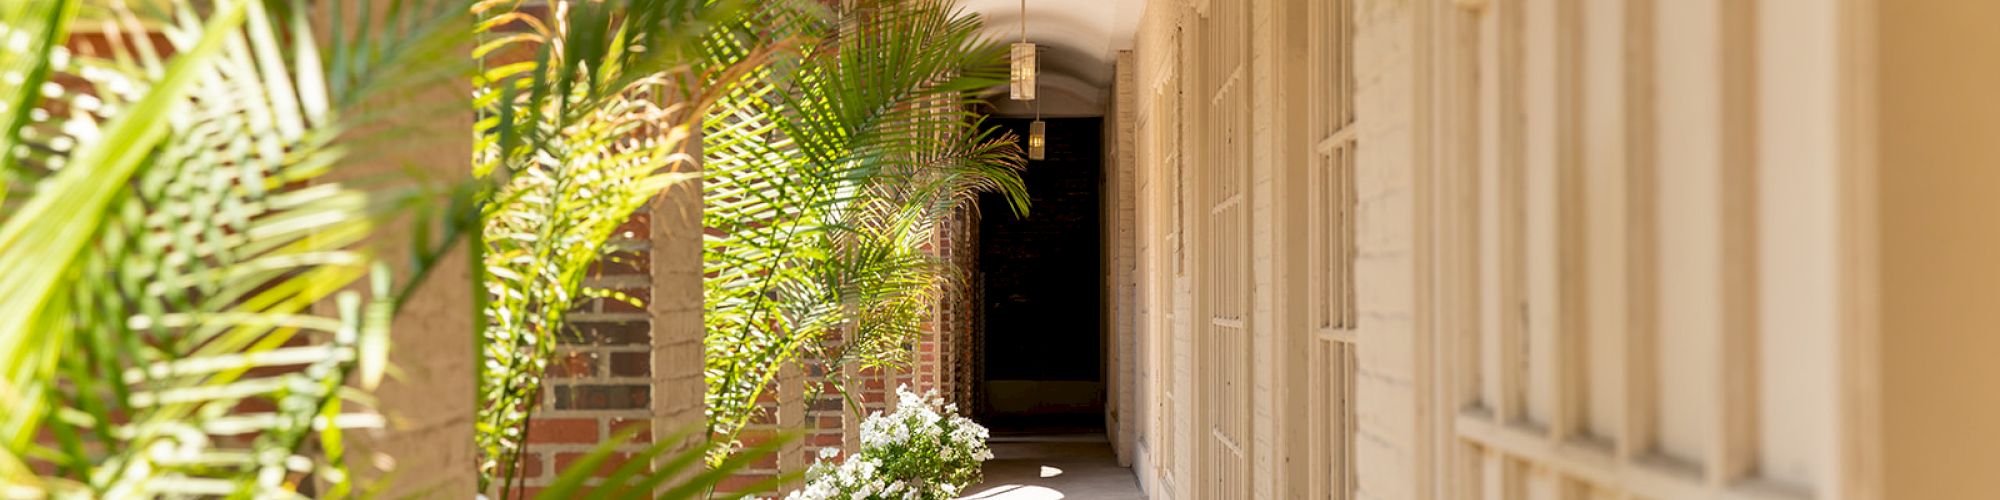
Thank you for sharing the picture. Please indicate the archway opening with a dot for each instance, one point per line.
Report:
(1041, 368)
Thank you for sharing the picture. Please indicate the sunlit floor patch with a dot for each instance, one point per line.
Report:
(1054, 467)
(1015, 492)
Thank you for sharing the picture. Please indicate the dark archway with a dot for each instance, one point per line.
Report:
(1042, 345)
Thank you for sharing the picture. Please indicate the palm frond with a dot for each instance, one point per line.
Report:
(190, 298)
(585, 114)
(825, 178)
(31, 32)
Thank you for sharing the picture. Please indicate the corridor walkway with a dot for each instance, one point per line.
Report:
(1051, 467)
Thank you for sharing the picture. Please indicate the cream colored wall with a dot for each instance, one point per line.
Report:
(1166, 459)
(1276, 183)
(1388, 442)
(1121, 269)
(1156, 183)
(1605, 247)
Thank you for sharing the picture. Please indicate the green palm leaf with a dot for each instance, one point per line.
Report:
(585, 112)
(825, 178)
(189, 305)
(832, 141)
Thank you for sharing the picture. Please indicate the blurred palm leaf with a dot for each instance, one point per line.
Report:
(181, 319)
(25, 65)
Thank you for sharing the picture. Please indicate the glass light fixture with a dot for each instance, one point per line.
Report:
(1021, 80)
(1023, 77)
(1038, 139)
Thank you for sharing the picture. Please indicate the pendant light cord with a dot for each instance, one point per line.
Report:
(1024, 39)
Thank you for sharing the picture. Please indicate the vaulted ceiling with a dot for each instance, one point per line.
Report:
(1079, 41)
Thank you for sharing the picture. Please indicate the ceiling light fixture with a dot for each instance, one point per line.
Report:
(1038, 135)
(1022, 79)
(1038, 139)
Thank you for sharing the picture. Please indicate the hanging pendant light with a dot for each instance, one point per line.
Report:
(1022, 79)
(1038, 138)
(1038, 135)
(1022, 84)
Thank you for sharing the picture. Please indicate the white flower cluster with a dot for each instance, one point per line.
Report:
(923, 451)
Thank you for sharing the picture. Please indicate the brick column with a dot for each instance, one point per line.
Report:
(427, 445)
(792, 417)
(678, 387)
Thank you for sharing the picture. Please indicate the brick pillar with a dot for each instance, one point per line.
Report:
(427, 445)
(678, 387)
(850, 425)
(792, 418)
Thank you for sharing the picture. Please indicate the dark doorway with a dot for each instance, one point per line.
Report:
(1043, 353)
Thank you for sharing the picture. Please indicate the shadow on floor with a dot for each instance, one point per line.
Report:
(1074, 466)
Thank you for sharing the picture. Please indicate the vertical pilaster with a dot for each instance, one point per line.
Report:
(678, 387)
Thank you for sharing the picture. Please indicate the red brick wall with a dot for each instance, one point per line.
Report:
(600, 381)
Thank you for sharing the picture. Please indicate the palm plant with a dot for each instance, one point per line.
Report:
(586, 110)
(824, 180)
(192, 307)
(857, 124)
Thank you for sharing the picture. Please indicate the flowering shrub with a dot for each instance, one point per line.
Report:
(923, 451)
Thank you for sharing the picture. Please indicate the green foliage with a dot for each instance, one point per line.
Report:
(924, 450)
(825, 178)
(833, 141)
(648, 472)
(585, 111)
(187, 313)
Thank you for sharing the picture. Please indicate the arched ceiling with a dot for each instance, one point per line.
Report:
(1079, 41)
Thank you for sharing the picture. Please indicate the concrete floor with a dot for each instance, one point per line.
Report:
(1051, 467)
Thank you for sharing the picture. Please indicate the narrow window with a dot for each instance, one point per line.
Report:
(1331, 236)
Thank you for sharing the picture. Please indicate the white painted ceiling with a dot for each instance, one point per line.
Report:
(1079, 41)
